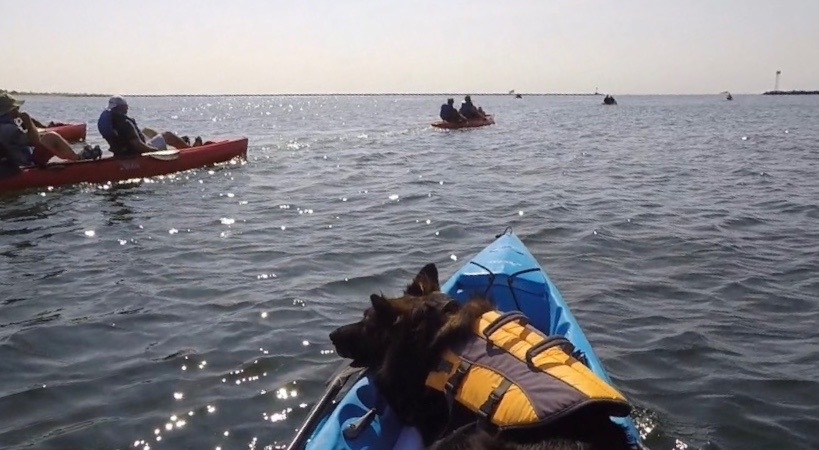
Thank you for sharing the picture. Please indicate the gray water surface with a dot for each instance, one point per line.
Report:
(192, 311)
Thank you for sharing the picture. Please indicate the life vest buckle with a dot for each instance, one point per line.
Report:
(454, 381)
(491, 404)
(486, 408)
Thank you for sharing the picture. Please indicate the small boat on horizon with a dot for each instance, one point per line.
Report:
(609, 100)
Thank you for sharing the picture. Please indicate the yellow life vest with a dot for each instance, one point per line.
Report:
(514, 376)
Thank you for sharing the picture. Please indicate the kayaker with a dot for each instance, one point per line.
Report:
(43, 125)
(125, 137)
(449, 113)
(24, 143)
(469, 110)
(8, 165)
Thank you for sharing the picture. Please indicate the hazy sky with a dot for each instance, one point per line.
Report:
(413, 46)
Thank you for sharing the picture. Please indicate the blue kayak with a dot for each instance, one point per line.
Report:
(352, 415)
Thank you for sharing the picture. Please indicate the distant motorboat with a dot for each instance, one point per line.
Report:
(609, 100)
(728, 96)
(518, 96)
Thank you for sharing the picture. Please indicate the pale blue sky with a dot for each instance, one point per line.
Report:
(414, 46)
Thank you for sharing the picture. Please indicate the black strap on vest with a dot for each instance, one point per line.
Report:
(549, 342)
(491, 403)
(451, 387)
(502, 320)
(454, 381)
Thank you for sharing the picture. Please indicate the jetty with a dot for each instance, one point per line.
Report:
(791, 93)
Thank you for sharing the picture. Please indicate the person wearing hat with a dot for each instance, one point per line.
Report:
(449, 113)
(23, 142)
(125, 137)
(470, 111)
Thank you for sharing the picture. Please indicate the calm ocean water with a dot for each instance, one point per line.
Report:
(192, 311)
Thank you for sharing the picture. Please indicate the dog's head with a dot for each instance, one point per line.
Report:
(410, 321)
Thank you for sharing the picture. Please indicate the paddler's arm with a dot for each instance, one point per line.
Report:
(140, 146)
(32, 133)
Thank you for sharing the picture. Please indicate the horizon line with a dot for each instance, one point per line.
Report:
(348, 94)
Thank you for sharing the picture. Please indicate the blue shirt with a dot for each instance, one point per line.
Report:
(16, 142)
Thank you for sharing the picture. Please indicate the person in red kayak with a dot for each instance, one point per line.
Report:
(450, 114)
(469, 110)
(42, 125)
(25, 145)
(125, 137)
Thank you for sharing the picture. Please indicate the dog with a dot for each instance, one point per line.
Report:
(402, 339)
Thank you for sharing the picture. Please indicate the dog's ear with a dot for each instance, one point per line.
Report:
(426, 282)
(383, 309)
(451, 307)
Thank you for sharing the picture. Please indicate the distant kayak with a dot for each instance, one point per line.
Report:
(71, 132)
(471, 123)
(124, 168)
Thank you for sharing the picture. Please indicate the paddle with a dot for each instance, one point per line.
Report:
(163, 155)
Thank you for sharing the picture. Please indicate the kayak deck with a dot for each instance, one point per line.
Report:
(506, 272)
(71, 132)
(124, 168)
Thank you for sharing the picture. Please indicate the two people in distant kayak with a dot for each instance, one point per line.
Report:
(609, 100)
(126, 138)
(467, 111)
(23, 145)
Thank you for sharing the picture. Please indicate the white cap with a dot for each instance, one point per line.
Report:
(115, 101)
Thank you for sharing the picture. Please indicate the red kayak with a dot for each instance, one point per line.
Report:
(471, 123)
(125, 168)
(71, 132)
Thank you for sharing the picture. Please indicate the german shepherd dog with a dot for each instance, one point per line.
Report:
(402, 339)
